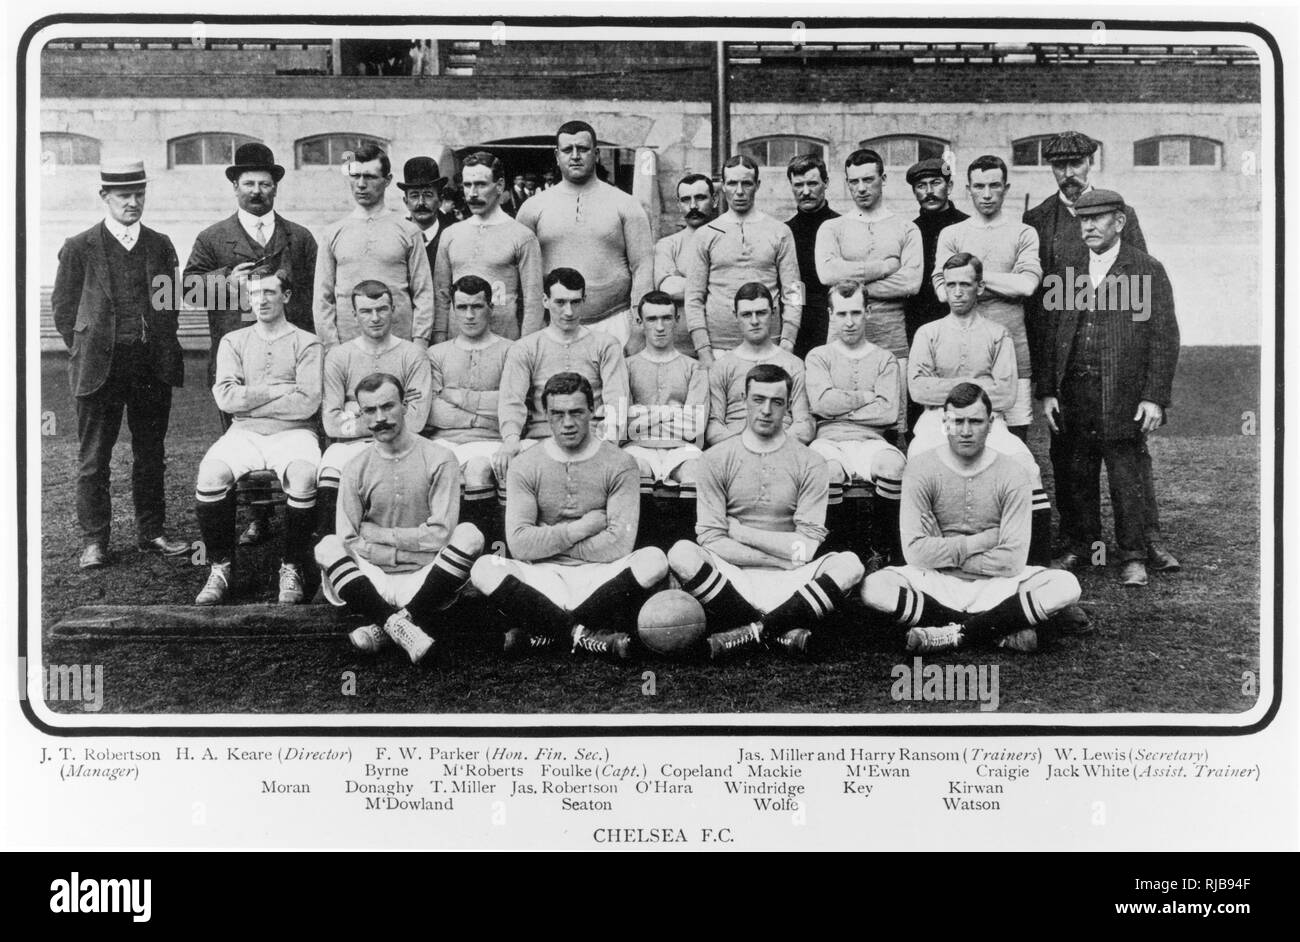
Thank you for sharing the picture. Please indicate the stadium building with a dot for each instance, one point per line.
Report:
(1179, 126)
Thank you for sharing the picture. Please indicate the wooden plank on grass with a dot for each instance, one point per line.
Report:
(265, 622)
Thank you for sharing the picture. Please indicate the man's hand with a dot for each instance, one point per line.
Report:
(501, 461)
(732, 523)
(786, 345)
(372, 532)
(1150, 415)
(588, 525)
(239, 273)
(1052, 411)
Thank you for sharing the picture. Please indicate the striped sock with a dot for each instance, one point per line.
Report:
(299, 525)
(448, 576)
(358, 594)
(724, 606)
(812, 602)
(916, 608)
(215, 510)
(1020, 611)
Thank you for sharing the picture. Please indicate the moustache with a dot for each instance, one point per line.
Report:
(696, 214)
(382, 426)
(478, 202)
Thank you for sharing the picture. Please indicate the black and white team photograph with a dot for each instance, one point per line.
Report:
(454, 369)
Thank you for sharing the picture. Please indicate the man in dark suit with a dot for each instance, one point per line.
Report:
(1109, 361)
(421, 187)
(114, 306)
(1072, 155)
(223, 255)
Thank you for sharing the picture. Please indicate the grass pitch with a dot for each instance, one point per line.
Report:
(1180, 646)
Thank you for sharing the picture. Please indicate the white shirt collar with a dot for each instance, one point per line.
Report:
(1099, 265)
(432, 232)
(250, 222)
(121, 232)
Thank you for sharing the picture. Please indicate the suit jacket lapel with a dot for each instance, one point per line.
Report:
(97, 260)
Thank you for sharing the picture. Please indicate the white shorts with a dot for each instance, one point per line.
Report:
(338, 455)
(618, 326)
(243, 452)
(961, 595)
(1022, 411)
(663, 461)
(465, 452)
(568, 586)
(902, 395)
(395, 588)
(766, 589)
(855, 457)
(930, 434)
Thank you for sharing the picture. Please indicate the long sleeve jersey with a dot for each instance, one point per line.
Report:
(947, 352)
(671, 256)
(727, 414)
(534, 359)
(968, 524)
(506, 255)
(782, 491)
(670, 401)
(465, 384)
(411, 503)
(851, 397)
(546, 490)
(349, 363)
(269, 385)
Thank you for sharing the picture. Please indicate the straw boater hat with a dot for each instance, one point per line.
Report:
(122, 173)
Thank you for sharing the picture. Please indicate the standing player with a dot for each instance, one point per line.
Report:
(966, 347)
(1009, 253)
(373, 242)
(465, 383)
(572, 510)
(699, 204)
(760, 518)
(728, 409)
(742, 245)
(376, 350)
(269, 381)
(585, 224)
(965, 533)
(564, 346)
(853, 392)
(496, 248)
(808, 179)
(399, 556)
(669, 400)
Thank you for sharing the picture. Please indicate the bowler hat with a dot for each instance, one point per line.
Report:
(254, 156)
(1096, 202)
(122, 173)
(930, 167)
(421, 172)
(1069, 145)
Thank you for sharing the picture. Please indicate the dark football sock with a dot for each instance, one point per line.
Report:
(883, 525)
(357, 592)
(812, 602)
(449, 574)
(299, 524)
(1040, 537)
(917, 608)
(1005, 618)
(614, 605)
(524, 606)
(217, 527)
(723, 605)
(327, 497)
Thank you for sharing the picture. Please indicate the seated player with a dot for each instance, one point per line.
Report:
(966, 347)
(466, 377)
(572, 509)
(670, 399)
(965, 533)
(269, 381)
(399, 556)
(728, 397)
(853, 391)
(760, 518)
(375, 350)
(564, 345)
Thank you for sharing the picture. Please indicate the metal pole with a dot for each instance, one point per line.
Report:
(721, 109)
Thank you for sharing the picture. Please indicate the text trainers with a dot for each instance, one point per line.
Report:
(519, 642)
(218, 584)
(722, 643)
(928, 640)
(407, 633)
(368, 638)
(615, 644)
(290, 585)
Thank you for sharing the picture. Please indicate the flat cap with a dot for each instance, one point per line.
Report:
(1070, 145)
(1096, 202)
(930, 167)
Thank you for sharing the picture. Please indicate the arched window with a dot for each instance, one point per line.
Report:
(778, 149)
(900, 151)
(1178, 150)
(1028, 152)
(206, 149)
(327, 150)
(69, 150)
